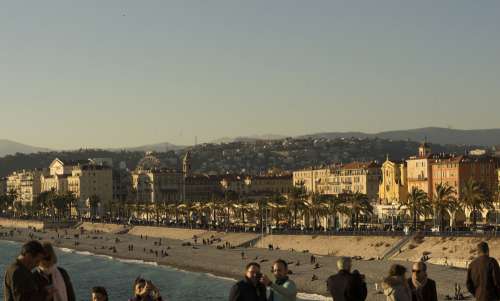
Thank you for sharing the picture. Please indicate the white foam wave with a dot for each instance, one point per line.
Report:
(66, 250)
(310, 297)
(136, 261)
(220, 277)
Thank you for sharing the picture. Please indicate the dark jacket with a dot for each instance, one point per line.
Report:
(20, 284)
(244, 290)
(429, 291)
(356, 288)
(337, 285)
(43, 281)
(483, 279)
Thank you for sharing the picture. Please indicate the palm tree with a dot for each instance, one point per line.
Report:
(359, 204)
(336, 205)
(417, 203)
(295, 201)
(277, 203)
(475, 198)
(444, 199)
(317, 207)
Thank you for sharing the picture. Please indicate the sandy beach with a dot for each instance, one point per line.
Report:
(229, 262)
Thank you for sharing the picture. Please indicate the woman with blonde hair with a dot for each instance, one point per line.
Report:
(48, 274)
(395, 285)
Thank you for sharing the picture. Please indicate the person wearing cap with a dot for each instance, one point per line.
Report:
(19, 282)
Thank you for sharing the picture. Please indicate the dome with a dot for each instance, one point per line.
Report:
(149, 162)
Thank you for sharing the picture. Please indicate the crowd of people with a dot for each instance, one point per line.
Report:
(483, 282)
(35, 276)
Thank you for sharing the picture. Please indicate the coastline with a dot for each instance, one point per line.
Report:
(227, 263)
(175, 266)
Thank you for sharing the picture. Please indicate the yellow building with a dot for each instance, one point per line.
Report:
(25, 185)
(313, 180)
(151, 182)
(269, 184)
(91, 180)
(394, 185)
(355, 177)
(419, 170)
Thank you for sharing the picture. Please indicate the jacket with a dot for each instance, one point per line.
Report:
(337, 285)
(285, 292)
(483, 279)
(20, 284)
(429, 291)
(396, 289)
(43, 282)
(244, 290)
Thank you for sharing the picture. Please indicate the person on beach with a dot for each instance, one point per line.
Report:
(395, 285)
(483, 275)
(422, 288)
(47, 274)
(99, 293)
(346, 286)
(19, 282)
(250, 288)
(284, 289)
(144, 290)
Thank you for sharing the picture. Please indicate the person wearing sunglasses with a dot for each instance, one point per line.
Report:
(284, 289)
(422, 288)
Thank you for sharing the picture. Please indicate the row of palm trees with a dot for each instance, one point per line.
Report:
(47, 204)
(294, 209)
(474, 196)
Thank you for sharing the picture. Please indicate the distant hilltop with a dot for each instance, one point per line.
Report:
(436, 135)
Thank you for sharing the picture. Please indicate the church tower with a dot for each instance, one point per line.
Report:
(186, 164)
(424, 149)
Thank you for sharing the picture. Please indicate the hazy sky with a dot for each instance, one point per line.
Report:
(125, 73)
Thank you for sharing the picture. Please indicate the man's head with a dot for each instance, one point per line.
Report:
(32, 253)
(344, 264)
(483, 249)
(252, 270)
(280, 269)
(419, 271)
(99, 294)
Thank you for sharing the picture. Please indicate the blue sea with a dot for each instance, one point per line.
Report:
(87, 270)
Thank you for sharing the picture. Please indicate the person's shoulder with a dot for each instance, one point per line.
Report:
(62, 271)
(429, 281)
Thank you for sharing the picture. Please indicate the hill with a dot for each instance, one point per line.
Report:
(486, 137)
(8, 147)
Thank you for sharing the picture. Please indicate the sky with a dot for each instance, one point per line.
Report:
(121, 73)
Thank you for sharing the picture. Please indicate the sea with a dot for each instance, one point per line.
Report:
(117, 276)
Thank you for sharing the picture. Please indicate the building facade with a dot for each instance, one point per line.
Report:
(355, 177)
(394, 185)
(24, 185)
(419, 170)
(313, 180)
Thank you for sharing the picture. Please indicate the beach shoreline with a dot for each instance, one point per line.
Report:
(225, 263)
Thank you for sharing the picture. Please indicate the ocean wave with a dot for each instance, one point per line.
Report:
(311, 297)
(66, 250)
(137, 261)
